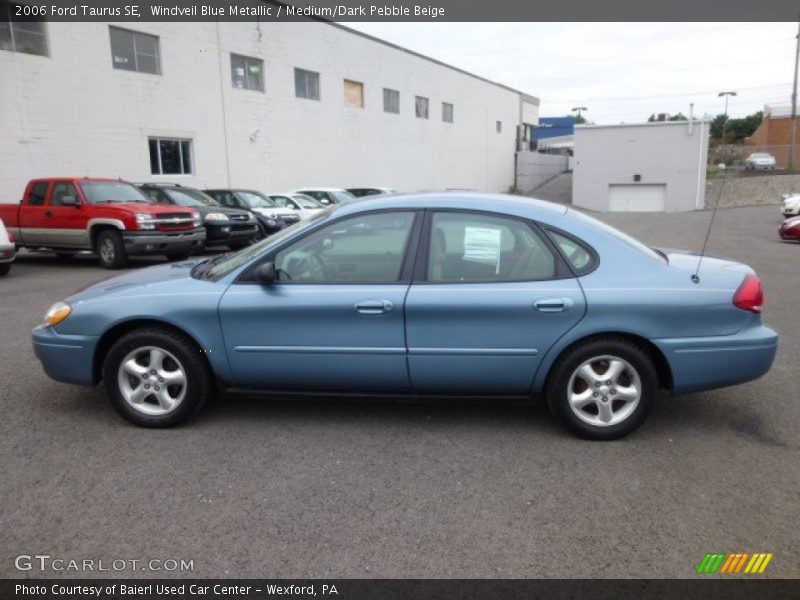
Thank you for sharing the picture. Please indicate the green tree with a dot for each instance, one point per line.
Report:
(736, 130)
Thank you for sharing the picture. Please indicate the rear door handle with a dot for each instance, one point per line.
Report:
(374, 307)
(551, 305)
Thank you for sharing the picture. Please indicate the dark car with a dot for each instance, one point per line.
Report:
(370, 191)
(225, 226)
(270, 216)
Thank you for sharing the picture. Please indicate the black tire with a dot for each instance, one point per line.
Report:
(4, 269)
(198, 377)
(561, 374)
(111, 249)
(177, 256)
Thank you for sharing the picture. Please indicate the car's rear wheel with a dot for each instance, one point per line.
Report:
(156, 377)
(603, 389)
(111, 249)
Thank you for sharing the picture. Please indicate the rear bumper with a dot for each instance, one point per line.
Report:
(7, 253)
(158, 242)
(713, 362)
(66, 358)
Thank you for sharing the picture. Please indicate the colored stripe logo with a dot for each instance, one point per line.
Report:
(735, 562)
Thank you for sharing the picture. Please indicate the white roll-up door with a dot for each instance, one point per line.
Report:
(637, 197)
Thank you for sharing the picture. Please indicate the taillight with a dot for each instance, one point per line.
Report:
(11, 238)
(749, 296)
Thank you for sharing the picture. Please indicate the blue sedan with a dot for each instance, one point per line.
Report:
(452, 293)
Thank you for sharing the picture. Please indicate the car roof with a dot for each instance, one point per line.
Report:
(319, 189)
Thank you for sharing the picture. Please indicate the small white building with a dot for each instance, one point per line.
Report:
(270, 106)
(653, 167)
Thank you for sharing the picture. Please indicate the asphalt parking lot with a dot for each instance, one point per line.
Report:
(280, 487)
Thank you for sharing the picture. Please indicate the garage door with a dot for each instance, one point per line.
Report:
(640, 198)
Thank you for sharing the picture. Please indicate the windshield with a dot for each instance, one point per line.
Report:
(343, 197)
(98, 192)
(225, 263)
(306, 201)
(623, 237)
(256, 200)
(187, 197)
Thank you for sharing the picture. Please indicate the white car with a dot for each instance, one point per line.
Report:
(759, 160)
(326, 195)
(790, 207)
(7, 250)
(299, 204)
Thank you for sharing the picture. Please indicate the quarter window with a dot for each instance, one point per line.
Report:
(170, 156)
(306, 84)
(391, 101)
(421, 107)
(353, 94)
(363, 249)
(578, 256)
(134, 51)
(447, 112)
(467, 247)
(27, 36)
(247, 73)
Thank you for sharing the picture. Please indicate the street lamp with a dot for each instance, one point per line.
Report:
(725, 121)
(579, 109)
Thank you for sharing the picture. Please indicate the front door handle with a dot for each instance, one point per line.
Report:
(551, 305)
(374, 307)
(47, 213)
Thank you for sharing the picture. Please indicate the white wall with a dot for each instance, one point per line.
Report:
(662, 153)
(72, 114)
(534, 168)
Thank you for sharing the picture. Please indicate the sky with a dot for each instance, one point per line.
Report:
(622, 72)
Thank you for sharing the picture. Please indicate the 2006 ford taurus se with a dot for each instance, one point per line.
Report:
(447, 293)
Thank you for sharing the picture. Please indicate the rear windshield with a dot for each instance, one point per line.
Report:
(99, 192)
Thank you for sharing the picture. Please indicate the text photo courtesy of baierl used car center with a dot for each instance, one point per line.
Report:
(399, 300)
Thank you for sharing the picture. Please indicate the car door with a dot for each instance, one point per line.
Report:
(69, 221)
(334, 318)
(490, 296)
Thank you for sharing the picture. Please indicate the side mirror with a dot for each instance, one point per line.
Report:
(69, 201)
(325, 201)
(265, 273)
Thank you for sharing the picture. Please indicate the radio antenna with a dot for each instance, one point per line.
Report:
(696, 274)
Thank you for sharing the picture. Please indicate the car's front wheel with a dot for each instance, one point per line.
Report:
(603, 389)
(110, 249)
(156, 377)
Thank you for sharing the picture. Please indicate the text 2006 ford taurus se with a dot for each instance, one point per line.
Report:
(449, 293)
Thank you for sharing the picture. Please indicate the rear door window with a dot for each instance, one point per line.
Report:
(38, 193)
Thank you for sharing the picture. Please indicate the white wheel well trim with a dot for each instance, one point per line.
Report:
(113, 222)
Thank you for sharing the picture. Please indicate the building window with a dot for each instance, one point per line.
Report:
(447, 112)
(391, 101)
(170, 156)
(421, 107)
(306, 84)
(353, 94)
(21, 36)
(247, 73)
(134, 51)
(498, 126)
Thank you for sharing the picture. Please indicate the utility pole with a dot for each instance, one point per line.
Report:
(793, 137)
(725, 121)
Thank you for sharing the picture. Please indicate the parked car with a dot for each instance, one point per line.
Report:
(270, 216)
(224, 226)
(305, 206)
(370, 191)
(113, 218)
(7, 250)
(327, 196)
(790, 229)
(759, 160)
(790, 206)
(449, 293)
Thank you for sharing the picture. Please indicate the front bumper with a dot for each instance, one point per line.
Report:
(7, 253)
(158, 242)
(706, 363)
(66, 358)
(790, 233)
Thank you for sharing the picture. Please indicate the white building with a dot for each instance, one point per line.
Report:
(268, 106)
(658, 166)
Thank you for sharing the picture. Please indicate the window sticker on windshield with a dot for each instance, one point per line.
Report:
(482, 244)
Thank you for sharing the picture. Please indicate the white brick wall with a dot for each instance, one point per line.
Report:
(73, 114)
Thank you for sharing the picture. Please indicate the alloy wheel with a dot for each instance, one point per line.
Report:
(604, 390)
(152, 380)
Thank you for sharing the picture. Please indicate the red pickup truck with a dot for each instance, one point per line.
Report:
(108, 216)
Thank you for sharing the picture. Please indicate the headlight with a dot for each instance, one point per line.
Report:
(57, 313)
(251, 217)
(145, 221)
(216, 217)
(196, 220)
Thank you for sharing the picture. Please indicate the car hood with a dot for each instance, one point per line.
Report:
(144, 207)
(140, 281)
